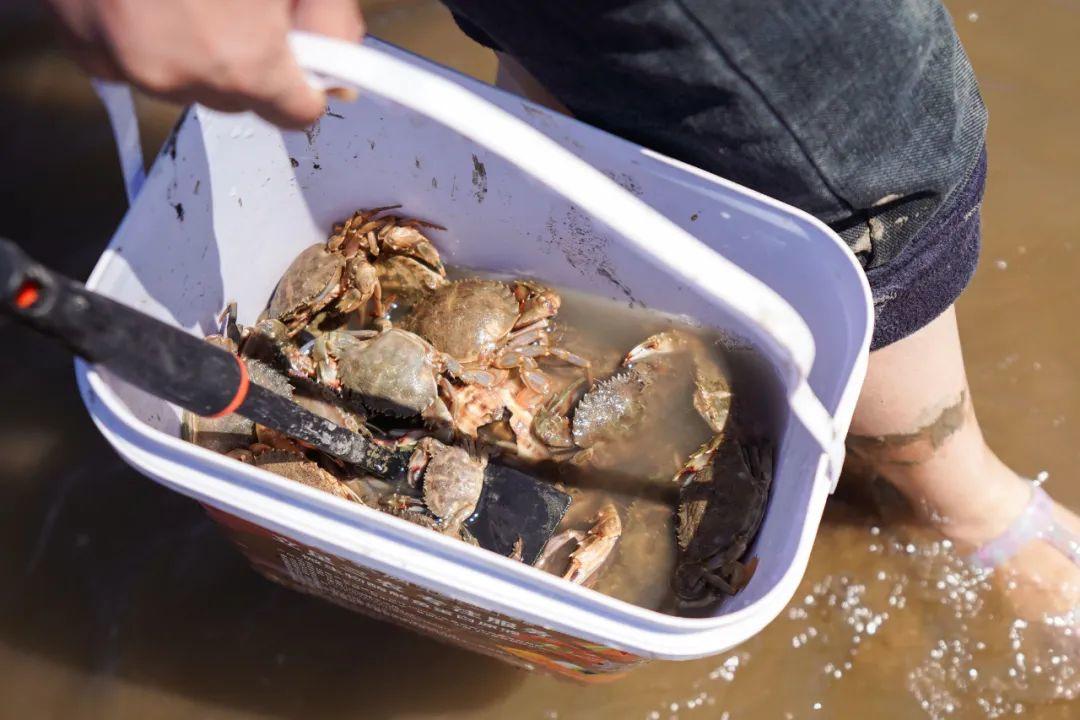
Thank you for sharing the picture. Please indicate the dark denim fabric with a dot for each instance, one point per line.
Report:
(864, 113)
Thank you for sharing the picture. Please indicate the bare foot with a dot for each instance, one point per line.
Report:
(1039, 580)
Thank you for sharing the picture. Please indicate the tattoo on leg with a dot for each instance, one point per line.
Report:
(912, 448)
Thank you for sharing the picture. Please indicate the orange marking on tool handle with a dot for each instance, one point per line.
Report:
(241, 392)
(27, 294)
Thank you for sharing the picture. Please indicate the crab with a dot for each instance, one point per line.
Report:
(343, 274)
(472, 406)
(450, 480)
(320, 279)
(593, 547)
(719, 513)
(393, 372)
(407, 265)
(613, 413)
(453, 479)
(502, 416)
(490, 324)
(268, 340)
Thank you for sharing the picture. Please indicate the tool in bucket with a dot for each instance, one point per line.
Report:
(181, 368)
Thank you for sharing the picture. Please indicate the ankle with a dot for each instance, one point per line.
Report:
(989, 515)
(971, 507)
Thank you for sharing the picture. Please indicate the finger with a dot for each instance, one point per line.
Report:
(333, 18)
(284, 96)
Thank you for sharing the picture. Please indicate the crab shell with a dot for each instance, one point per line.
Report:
(311, 282)
(465, 318)
(453, 481)
(407, 278)
(470, 319)
(395, 373)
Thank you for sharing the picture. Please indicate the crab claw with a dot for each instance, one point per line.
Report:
(699, 460)
(551, 424)
(595, 548)
(712, 399)
(407, 240)
(417, 463)
(659, 344)
(536, 301)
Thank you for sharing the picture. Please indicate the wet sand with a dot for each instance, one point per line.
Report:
(119, 599)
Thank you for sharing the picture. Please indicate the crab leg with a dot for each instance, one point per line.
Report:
(740, 576)
(527, 334)
(417, 463)
(421, 223)
(557, 543)
(550, 423)
(533, 377)
(471, 375)
(712, 400)
(596, 547)
(568, 357)
(407, 240)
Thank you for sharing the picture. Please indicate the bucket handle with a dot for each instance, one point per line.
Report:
(366, 68)
(120, 106)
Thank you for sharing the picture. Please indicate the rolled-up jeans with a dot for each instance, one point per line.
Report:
(864, 113)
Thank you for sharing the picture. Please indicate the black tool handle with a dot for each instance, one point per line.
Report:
(166, 361)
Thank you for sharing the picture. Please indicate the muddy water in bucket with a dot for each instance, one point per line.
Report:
(119, 599)
(634, 473)
(633, 470)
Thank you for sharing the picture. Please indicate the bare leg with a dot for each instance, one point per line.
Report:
(915, 423)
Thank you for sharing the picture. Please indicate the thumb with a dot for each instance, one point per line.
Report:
(286, 98)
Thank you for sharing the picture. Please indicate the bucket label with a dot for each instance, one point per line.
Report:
(384, 597)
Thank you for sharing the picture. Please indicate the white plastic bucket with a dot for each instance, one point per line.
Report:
(230, 200)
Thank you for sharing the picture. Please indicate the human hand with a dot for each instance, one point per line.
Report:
(230, 55)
